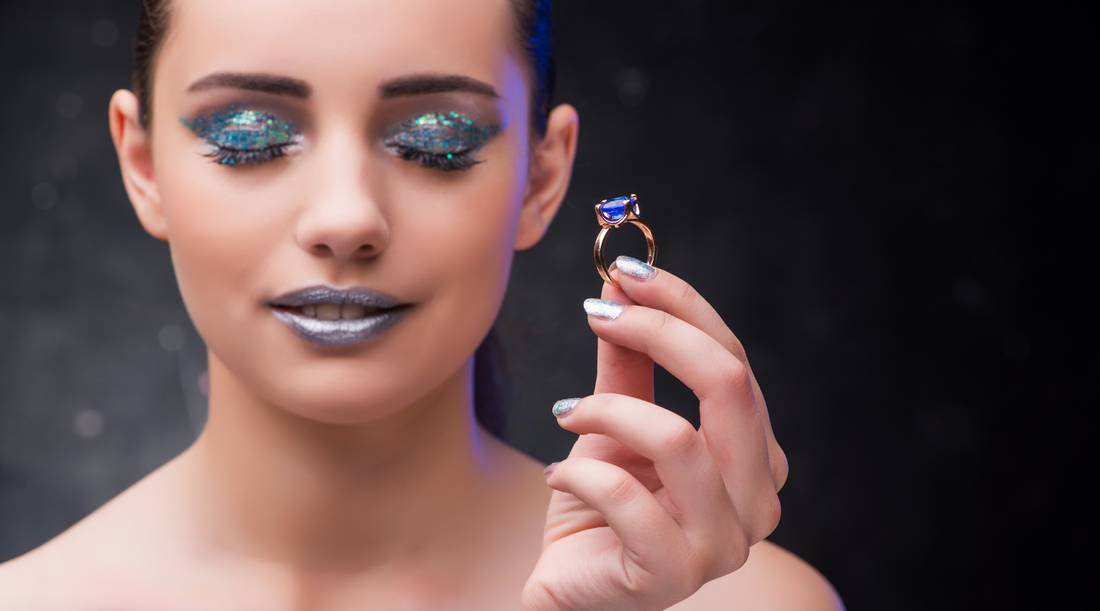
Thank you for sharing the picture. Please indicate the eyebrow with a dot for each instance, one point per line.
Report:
(265, 83)
(431, 83)
(296, 88)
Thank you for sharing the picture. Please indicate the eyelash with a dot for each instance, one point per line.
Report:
(447, 162)
(236, 157)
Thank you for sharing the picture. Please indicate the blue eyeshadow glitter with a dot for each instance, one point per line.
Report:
(240, 129)
(442, 134)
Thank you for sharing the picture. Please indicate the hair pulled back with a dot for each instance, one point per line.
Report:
(534, 26)
(534, 34)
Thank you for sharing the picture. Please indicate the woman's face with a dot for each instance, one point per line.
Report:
(373, 153)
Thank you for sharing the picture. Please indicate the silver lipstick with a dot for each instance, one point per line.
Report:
(340, 332)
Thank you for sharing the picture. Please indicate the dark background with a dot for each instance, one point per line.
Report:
(886, 201)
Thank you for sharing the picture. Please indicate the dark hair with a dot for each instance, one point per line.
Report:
(535, 34)
(534, 22)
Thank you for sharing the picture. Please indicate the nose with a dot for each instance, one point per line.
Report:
(343, 219)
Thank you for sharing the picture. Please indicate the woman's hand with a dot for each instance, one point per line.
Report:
(646, 509)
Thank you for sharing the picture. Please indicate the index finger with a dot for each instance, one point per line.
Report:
(658, 289)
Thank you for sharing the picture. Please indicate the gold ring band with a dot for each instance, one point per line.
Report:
(616, 212)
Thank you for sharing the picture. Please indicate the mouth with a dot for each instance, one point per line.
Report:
(337, 317)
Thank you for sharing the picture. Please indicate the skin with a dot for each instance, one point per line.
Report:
(332, 477)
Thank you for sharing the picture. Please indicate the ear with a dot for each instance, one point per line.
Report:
(135, 157)
(548, 179)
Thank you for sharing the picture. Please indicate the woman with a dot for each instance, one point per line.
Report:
(342, 185)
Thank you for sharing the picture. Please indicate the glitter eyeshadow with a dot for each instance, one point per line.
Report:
(442, 134)
(237, 128)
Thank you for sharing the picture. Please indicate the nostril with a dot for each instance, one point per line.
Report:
(322, 250)
(365, 251)
(343, 237)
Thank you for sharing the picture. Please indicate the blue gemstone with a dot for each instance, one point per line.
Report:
(614, 210)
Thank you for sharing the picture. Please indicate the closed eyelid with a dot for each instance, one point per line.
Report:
(442, 133)
(241, 128)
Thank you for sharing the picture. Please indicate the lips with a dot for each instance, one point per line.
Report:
(337, 317)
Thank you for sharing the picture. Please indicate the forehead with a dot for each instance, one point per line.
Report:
(334, 44)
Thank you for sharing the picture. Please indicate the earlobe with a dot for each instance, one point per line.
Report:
(548, 179)
(135, 158)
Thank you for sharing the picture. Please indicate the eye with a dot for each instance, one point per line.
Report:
(441, 141)
(240, 136)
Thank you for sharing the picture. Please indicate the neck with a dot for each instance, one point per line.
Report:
(275, 485)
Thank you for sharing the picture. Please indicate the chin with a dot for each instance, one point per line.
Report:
(350, 390)
(340, 414)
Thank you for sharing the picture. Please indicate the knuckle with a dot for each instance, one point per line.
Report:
(621, 489)
(728, 557)
(682, 438)
(780, 468)
(737, 553)
(736, 348)
(738, 378)
(694, 565)
(662, 322)
(763, 520)
(686, 294)
(738, 558)
(697, 572)
(636, 587)
(769, 517)
(536, 595)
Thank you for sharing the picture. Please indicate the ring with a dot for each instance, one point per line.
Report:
(616, 212)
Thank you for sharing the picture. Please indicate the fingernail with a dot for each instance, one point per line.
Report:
(602, 308)
(635, 268)
(549, 469)
(563, 407)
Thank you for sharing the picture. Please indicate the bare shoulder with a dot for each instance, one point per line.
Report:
(773, 579)
(45, 578)
(19, 581)
(87, 566)
(42, 580)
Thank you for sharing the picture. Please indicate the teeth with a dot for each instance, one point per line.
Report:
(328, 311)
(332, 311)
(352, 310)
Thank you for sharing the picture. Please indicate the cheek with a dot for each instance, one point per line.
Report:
(474, 239)
(463, 244)
(222, 226)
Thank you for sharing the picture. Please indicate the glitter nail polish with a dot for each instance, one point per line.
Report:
(635, 268)
(602, 308)
(563, 407)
